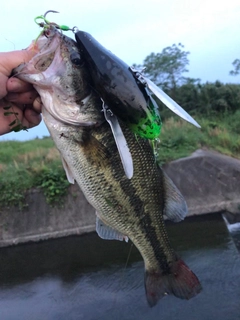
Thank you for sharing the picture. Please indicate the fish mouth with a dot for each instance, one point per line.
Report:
(45, 72)
(44, 46)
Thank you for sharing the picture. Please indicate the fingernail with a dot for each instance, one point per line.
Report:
(37, 104)
(38, 99)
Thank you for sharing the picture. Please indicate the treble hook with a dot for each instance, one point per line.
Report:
(53, 11)
(61, 27)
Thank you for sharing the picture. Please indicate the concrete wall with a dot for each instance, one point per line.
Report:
(39, 221)
(209, 182)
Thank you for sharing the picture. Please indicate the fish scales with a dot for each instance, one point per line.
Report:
(132, 206)
(72, 111)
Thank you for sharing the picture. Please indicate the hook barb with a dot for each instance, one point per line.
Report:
(53, 11)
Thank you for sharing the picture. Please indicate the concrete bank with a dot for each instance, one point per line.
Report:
(210, 182)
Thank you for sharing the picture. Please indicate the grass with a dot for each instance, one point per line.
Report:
(30, 164)
(179, 139)
(37, 164)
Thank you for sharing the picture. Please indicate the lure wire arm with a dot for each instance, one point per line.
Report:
(138, 75)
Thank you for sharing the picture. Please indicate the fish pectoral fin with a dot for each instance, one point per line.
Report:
(175, 207)
(68, 171)
(108, 233)
(94, 149)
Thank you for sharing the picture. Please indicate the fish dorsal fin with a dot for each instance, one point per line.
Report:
(175, 207)
(108, 233)
(68, 171)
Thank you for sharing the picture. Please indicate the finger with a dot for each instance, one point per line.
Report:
(12, 59)
(37, 105)
(17, 85)
(7, 119)
(22, 98)
(3, 86)
(28, 118)
(31, 118)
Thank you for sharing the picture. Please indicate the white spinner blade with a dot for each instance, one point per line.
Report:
(170, 103)
(121, 142)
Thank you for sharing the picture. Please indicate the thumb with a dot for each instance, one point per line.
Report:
(12, 59)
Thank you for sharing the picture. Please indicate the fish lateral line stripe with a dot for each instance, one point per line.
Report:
(146, 225)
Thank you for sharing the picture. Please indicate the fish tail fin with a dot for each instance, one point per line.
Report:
(179, 281)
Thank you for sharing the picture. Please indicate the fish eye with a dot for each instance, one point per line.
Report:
(76, 58)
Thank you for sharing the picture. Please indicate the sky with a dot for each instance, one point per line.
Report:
(132, 29)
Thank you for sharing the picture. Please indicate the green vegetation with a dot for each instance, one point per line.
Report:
(179, 139)
(216, 107)
(54, 184)
(37, 164)
(30, 164)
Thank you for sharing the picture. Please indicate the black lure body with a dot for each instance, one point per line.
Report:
(119, 88)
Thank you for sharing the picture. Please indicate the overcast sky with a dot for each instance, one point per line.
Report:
(132, 29)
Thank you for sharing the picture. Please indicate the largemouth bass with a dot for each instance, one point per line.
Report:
(125, 208)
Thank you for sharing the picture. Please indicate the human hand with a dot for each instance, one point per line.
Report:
(18, 99)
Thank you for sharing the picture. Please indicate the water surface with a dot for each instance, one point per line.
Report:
(89, 278)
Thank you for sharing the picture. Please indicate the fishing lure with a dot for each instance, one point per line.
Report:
(126, 90)
(123, 150)
(126, 93)
(46, 23)
(118, 86)
(111, 118)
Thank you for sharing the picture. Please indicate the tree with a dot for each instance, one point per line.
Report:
(165, 69)
(236, 71)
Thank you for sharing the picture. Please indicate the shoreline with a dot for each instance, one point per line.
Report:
(209, 182)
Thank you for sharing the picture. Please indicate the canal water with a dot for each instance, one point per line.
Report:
(89, 278)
